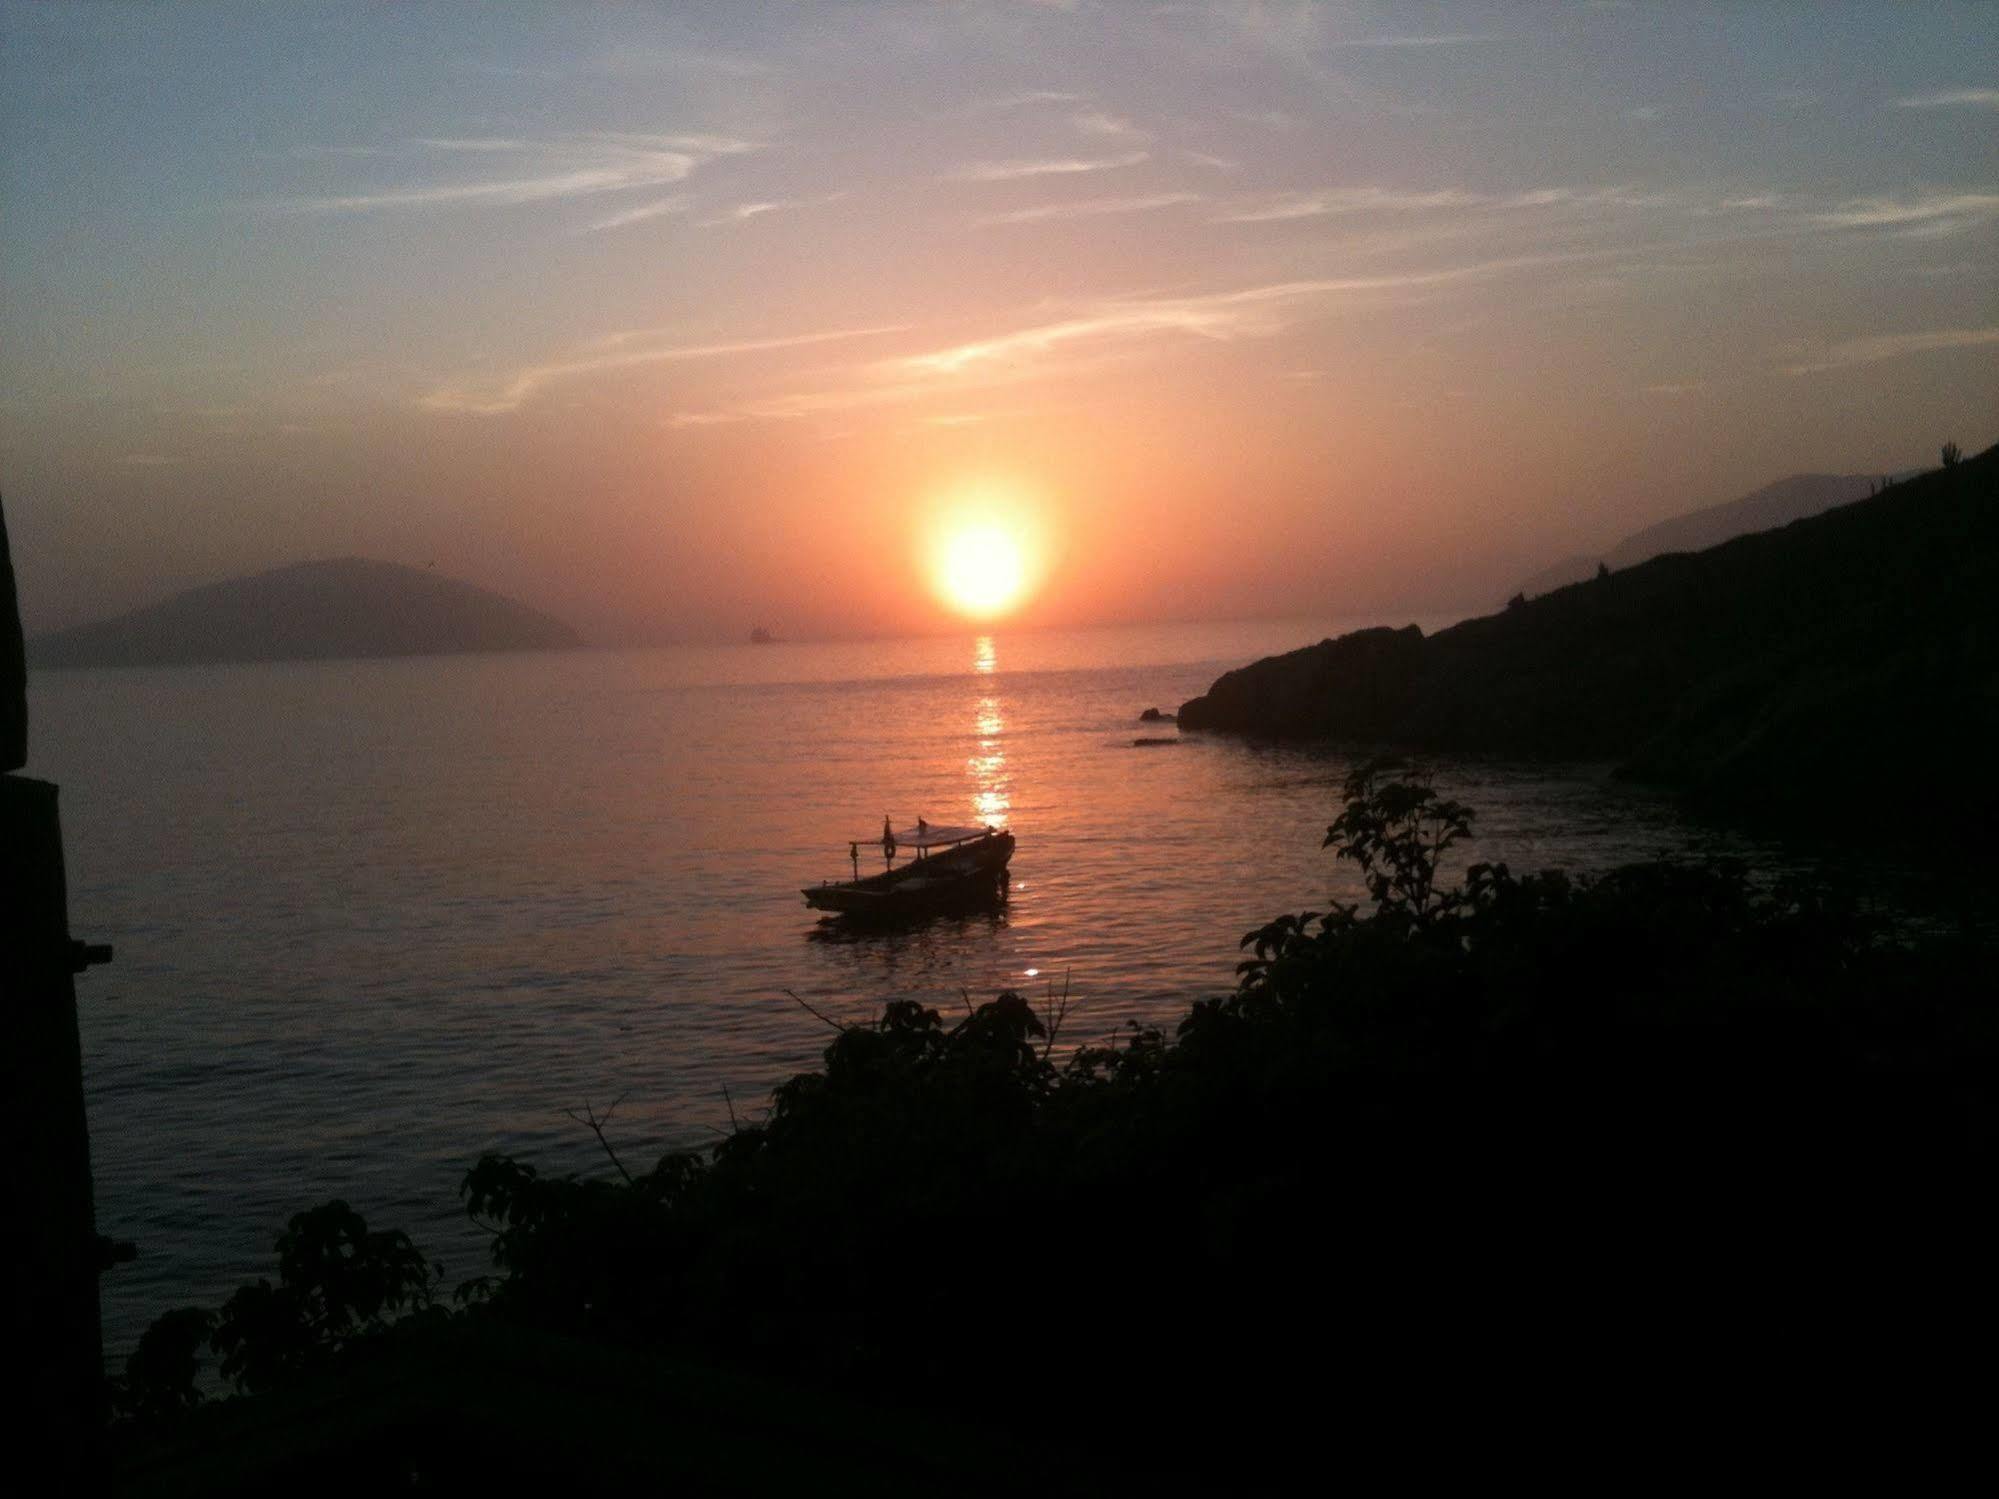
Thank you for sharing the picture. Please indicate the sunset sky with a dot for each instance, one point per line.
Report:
(673, 320)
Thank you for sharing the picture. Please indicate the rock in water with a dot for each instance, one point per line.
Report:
(1358, 687)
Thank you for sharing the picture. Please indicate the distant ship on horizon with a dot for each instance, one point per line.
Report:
(761, 636)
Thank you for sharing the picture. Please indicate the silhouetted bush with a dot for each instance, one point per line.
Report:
(338, 1284)
(161, 1374)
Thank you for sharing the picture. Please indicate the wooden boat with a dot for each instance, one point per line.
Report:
(949, 869)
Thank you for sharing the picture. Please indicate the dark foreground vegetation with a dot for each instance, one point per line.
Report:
(1578, 1150)
(1778, 675)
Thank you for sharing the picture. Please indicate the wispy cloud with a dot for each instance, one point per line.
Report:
(637, 215)
(1327, 202)
(1339, 200)
(615, 351)
(1102, 123)
(1441, 39)
(1269, 119)
(568, 167)
(1087, 208)
(701, 144)
(315, 152)
(1928, 215)
(742, 211)
(1010, 171)
(150, 460)
(511, 192)
(1893, 346)
(628, 60)
(1014, 357)
(854, 393)
(469, 143)
(1024, 98)
(1252, 311)
(1953, 98)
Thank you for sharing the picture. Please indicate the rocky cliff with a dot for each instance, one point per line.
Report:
(1776, 670)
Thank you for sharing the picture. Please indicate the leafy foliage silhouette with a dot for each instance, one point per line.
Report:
(339, 1284)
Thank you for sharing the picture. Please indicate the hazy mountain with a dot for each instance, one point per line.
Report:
(309, 611)
(1838, 670)
(1777, 504)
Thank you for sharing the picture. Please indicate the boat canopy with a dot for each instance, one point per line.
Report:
(928, 837)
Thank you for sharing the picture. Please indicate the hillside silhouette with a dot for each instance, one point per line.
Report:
(1778, 504)
(1790, 673)
(310, 611)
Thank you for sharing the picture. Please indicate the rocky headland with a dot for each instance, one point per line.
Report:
(1828, 669)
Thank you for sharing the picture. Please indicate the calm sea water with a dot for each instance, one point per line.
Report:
(374, 918)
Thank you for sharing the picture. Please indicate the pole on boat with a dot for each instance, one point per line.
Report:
(854, 853)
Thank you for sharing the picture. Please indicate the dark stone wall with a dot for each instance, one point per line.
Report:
(13, 664)
(52, 1252)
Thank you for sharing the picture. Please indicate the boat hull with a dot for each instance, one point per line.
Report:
(968, 875)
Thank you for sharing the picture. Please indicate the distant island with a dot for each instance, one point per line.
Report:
(309, 611)
(1824, 672)
(1796, 498)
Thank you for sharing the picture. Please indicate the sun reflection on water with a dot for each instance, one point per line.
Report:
(992, 788)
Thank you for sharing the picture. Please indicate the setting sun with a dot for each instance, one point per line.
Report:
(982, 572)
(985, 546)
